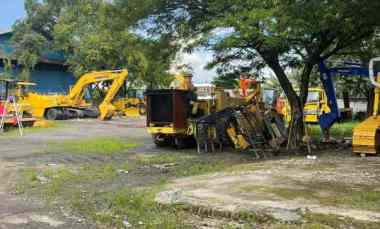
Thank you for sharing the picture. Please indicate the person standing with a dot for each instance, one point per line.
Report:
(245, 83)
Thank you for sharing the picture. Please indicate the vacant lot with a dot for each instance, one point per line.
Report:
(91, 174)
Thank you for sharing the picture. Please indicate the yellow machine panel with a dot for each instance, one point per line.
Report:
(366, 135)
(316, 105)
(73, 105)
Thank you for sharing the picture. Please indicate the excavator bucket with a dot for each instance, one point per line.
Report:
(366, 136)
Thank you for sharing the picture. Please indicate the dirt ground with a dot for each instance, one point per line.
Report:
(30, 150)
(286, 188)
(288, 191)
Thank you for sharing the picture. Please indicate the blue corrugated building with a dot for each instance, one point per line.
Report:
(51, 74)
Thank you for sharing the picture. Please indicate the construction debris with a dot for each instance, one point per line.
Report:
(244, 128)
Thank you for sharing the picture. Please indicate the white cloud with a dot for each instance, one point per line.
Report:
(197, 60)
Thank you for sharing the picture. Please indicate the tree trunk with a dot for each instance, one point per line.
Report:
(296, 127)
(346, 99)
(370, 101)
(305, 82)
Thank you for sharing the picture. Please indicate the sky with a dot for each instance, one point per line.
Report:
(198, 60)
(12, 10)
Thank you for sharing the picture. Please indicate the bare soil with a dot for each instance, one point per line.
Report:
(287, 188)
(32, 149)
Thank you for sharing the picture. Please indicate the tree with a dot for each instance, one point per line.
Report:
(7, 63)
(361, 53)
(229, 77)
(94, 35)
(32, 36)
(227, 80)
(277, 34)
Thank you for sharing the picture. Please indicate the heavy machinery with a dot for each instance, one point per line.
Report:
(322, 106)
(316, 105)
(132, 103)
(11, 108)
(366, 135)
(176, 116)
(102, 84)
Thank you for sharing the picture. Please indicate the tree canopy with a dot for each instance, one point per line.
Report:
(93, 35)
(271, 33)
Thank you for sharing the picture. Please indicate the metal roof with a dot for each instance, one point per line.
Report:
(48, 56)
(5, 31)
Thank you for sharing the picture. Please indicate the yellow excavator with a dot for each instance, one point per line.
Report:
(106, 84)
(366, 135)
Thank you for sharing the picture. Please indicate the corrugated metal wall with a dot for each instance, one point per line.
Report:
(50, 81)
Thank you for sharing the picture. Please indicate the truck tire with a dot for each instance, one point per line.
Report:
(161, 141)
(179, 143)
(52, 114)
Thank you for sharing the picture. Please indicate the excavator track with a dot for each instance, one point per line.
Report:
(65, 113)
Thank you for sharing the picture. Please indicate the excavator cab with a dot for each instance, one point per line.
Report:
(23, 88)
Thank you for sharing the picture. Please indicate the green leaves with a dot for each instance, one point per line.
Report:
(95, 35)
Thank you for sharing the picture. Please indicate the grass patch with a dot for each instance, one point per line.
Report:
(52, 125)
(163, 158)
(52, 182)
(99, 146)
(199, 168)
(140, 209)
(333, 221)
(187, 164)
(326, 221)
(326, 193)
(338, 130)
(29, 179)
(360, 197)
(96, 191)
(74, 188)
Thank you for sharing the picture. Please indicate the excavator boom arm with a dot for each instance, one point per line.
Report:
(76, 93)
(106, 108)
(328, 119)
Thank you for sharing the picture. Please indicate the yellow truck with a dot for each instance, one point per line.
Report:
(316, 105)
